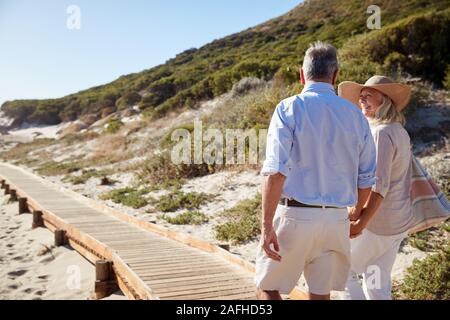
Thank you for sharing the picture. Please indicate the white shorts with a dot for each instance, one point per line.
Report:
(313, 241)
(369, 247)
(373, 256)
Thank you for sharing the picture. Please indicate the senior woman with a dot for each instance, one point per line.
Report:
(379, 228)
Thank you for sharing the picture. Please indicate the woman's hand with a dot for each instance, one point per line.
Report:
(356, 228)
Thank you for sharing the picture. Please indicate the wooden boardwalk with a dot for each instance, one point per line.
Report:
(144, 260)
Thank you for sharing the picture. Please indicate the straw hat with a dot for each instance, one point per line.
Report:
(399, 93)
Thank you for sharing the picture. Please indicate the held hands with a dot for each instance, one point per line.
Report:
(354, 213)
(268, 239)
(357, 226)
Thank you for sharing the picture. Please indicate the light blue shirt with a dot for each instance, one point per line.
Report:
(323, 145)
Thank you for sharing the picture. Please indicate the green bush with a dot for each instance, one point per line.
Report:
(187, 218)
(159, 171)
(129, 99)
(53, 168)
(127, 196)
(428, 279)
(180, 200)
(421, 240)
(21, 151)
(244, 222)
(446, 82)
(113, 126)
(86, 175)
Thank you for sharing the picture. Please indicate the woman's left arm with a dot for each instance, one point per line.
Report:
(385, 158)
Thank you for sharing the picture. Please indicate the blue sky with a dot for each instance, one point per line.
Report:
(41, 58)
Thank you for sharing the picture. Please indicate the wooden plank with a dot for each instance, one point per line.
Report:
(221, 294)
(132, 251)
(180, 287)
(159, 257)
(172, 267)
(176, 269)
(83, 251)
(138, 284)
(173, 261)
(169, 275)
(239, 296)
(198, 279)
(214, 291)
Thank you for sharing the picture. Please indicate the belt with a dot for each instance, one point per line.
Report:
(293, 203)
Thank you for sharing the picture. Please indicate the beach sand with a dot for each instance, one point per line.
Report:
(32, 268)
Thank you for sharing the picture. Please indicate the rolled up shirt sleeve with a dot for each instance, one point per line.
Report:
(279, 144)
(385, 156)
(367, 161)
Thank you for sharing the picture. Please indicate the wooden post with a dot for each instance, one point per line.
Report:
(13, 195)
(37, 219)
(23, 206)
(6, 189)
(104, 279)
(60, 238)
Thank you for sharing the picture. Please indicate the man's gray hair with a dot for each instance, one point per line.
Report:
(320, 62)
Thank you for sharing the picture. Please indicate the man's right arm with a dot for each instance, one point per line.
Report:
(271, 193)
(363, 196)
(366, 171)
(275, 168)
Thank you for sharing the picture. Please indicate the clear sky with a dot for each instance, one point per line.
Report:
(41, 58)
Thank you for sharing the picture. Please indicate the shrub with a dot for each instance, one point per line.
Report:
(127, 196)
(159, 170)
(129, 99)
(428, 279)
(180, 200)
(189, 217)
(53, 168)
(22, 150)
(244, 222)
(420, 240)
(86, 175)
(446, 82)
(113, 126)
(247, 84)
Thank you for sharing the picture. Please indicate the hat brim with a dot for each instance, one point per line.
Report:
(399, 93)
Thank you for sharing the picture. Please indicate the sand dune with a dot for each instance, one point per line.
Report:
(32, 268)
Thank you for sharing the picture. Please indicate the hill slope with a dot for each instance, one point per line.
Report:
(271, 49)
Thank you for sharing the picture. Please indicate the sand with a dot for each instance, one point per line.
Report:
(30, 132)
(31, 268)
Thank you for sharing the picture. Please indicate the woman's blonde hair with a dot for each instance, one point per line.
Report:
(388, 113)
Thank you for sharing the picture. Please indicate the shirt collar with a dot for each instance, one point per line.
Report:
(319, 87)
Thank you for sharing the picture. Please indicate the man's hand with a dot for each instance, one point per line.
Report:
(356, 228)
(354, 213)
(269, 237)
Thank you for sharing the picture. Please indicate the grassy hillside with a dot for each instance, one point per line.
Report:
(414, 39)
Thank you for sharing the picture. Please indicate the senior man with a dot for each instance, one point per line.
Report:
(320, 159)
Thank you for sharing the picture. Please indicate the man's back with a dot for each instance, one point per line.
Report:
(323, 145)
